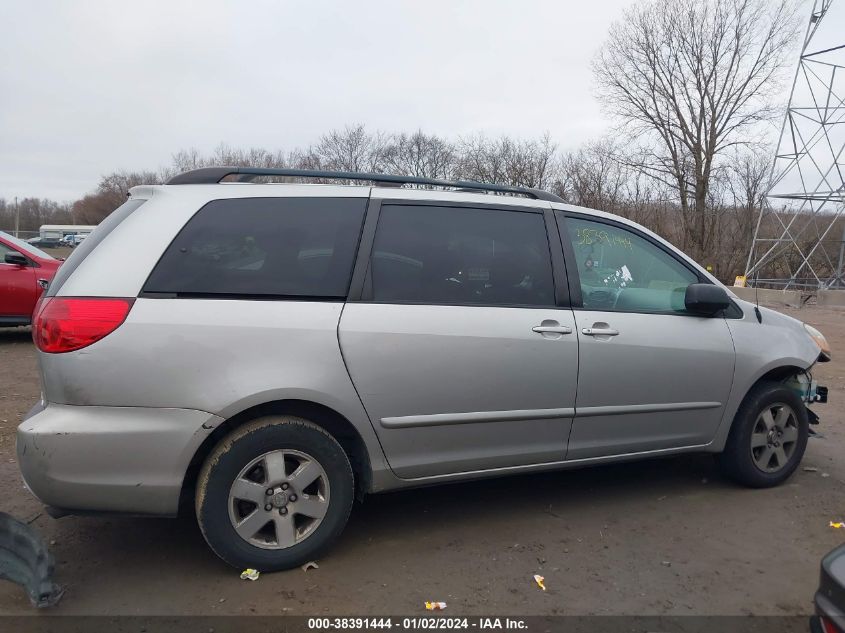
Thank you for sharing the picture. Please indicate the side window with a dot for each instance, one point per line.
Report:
(280, 247)
(459, 255)
(3, 250)
(623, 272)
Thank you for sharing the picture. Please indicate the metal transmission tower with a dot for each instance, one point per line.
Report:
(793, 246)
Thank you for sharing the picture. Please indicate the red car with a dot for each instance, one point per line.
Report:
(25, 272)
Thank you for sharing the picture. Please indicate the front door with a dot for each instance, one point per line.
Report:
(17, 288)
(459, 351)
(652, 376)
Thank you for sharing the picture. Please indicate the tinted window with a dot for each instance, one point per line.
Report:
(621, 271)
(461, 255)
(294, 247)
(90, 243)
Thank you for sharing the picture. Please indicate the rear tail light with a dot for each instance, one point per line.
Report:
(65, 324)
(827, 626)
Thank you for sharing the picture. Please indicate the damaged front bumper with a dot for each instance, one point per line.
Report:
(110, 459)
(810, 392)
(807, 388)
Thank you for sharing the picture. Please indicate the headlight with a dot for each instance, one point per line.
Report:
(820, 340)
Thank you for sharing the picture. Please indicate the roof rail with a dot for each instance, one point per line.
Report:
(213, 175)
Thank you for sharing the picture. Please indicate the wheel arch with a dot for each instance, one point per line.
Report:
(779, 454)
(323, 416)
(778, 372)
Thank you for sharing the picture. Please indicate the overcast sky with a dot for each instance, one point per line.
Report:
(89, 87)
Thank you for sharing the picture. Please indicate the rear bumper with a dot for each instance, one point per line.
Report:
(830, 598)
(110, 459)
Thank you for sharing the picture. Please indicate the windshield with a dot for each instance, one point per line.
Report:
(25, 247)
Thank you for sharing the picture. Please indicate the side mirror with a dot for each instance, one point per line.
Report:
(16, 259)
(706, 299)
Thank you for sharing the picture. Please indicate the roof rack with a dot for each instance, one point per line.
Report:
(213, 175)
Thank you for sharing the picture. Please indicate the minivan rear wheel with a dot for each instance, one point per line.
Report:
(274, 494)
(768, 437)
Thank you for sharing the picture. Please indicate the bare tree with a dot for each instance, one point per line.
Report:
(224, 155)
(601, 175)
(185, 160)
(32, 213)
(350, 149)
(594, 177)
(419, 154)
(111, 193)
(749, 182)
(697, 76)
(520, 162)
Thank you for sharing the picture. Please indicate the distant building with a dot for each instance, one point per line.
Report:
(59, 231)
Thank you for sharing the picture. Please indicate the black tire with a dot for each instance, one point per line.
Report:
(738, 461)
(234, 453)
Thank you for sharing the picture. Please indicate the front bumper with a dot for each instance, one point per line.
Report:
(110, 459)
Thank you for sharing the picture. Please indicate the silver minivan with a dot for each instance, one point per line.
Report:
(266, 353)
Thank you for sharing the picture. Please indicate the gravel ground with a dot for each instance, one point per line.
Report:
(667, 537)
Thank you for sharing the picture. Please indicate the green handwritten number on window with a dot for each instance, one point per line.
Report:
(623, 241)
(588, 237)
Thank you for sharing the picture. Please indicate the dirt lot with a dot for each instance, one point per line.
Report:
(658, 537)
(62, 252)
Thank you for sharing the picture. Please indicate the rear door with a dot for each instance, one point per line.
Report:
(652, 376)
(462, 345)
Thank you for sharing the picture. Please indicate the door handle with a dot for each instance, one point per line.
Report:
(554, 329)
(600, 331)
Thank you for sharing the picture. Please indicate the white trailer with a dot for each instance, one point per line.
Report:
(59, 231)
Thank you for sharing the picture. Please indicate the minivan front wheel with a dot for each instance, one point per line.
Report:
(274, 494)
(768, 437)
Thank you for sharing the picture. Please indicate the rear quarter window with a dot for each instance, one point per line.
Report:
(263, 248)
(90, 243)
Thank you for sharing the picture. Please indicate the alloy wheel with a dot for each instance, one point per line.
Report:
(774, 437)
(279, 499)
